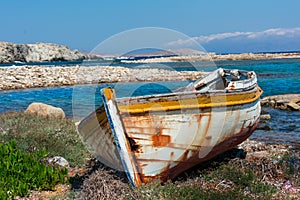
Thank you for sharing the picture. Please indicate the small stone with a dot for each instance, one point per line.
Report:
(265, 116)
(57, 160)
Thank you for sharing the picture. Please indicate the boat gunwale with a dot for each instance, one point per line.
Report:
(186, 93)
(204, 100)
(183, 93)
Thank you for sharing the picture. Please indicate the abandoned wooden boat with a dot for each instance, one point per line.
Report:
(160, 136)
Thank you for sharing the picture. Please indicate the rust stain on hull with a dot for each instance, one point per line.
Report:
(160, 140)
(225, 145)
(192, 138)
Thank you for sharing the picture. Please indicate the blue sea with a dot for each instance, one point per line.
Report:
(278, 76)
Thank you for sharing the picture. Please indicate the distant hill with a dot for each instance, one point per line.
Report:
(146, 52)
(38, 52)
(159, 52)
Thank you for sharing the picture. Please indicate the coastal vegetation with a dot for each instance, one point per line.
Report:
(34, 133)
(253, 170)
(21, 172)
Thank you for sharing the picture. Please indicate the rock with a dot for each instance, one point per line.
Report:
(76, 124)
(293, 106)
(39, 52)
(56, 160)
(45, 110)
(264, 127)
(265, 117)
(51, 52)
(296, 100)
(284, 101)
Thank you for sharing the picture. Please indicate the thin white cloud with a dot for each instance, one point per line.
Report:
(220, 36)
(275, 32)
(250, 35)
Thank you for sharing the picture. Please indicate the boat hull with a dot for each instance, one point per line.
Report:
(159, 137)
(169, 142)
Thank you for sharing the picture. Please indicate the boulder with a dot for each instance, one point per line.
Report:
(45, 110)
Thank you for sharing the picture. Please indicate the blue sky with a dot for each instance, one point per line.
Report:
(218, 25)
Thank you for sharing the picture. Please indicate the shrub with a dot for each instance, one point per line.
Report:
(21, 172)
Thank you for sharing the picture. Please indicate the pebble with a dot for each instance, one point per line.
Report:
(265, 116)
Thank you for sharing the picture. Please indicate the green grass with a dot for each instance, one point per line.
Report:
(243, 182)
(171, 191)
(291, 168)
(21, 172)
(32, 133)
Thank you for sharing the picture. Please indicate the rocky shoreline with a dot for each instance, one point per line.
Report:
(283, 102)
(23, 77)
(216, 57)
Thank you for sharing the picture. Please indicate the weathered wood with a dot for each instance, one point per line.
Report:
(160, 136)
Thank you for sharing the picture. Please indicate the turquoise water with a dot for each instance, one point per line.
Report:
(274, 77)
(283, 127)
(79, 100)
(280, 76)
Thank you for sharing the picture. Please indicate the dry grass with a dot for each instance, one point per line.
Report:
(58, 136)
(106, 184)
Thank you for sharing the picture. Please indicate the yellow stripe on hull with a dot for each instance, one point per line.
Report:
(215, 100)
